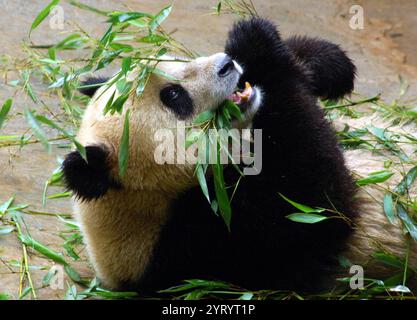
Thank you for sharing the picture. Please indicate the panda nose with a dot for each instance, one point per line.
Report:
(226, 66)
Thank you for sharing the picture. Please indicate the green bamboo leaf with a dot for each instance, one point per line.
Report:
(73, 41)
(164, 74)
(47, 252)
(60, 195)
(161, 52)
(52, 124)
(88, 8)
(306, 217)
(5, 206)
(202, 181)
(204, 117)
(42, 15)
(388, 259)
(4, 111)
(119, 102)
(140, 23)
(126, 63)
(159, 18)
(219, 7)
(111, 294)
(47, 278)
(400, 289)
(25, 292)
(28, 87)
(121, 47)
(6, 230)
(117, 17)
(124, 147)
(246, 296)
(4, 296)
(302, 207)
(389, 208)
(109, 103)
(221, 193)
(153, 38)
(193, 137)
(233, 109)
(40, 134)
(72, 274)
(408, 222)
(375, 177)
(407, 181)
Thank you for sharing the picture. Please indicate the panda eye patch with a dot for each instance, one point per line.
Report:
(177, 99)
(173, 94)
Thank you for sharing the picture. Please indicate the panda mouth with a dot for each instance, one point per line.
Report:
(243, 98)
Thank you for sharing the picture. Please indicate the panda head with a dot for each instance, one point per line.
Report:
(192, 87)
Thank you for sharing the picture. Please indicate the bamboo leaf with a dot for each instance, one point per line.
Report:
(40, 134)
(43, 14)
(164, 74)
(407, 181)
(204, 117)
(306, 217)
(126, 63)
(124, 147)
(375, 177)
(47, 252)
(388, 259)
(117, 17)
(302, 207)
(50, 123)
(6, 230)
(202, 181)
(4, 111)
(153, 38)
(5, 206)
(221, 193)
(389, 208)
(159, 18)
(28, 87)
(408, 222)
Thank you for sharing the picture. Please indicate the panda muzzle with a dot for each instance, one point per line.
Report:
(244, 97)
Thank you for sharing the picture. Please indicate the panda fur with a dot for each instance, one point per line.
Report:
(154, 228)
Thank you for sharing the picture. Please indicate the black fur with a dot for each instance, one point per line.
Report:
(90, 91)
(301, 159)
(88, 180)
(177, 99)
(330, 72)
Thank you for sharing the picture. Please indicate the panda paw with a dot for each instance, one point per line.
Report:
(256, 45)
(88, 180)
(251, 38)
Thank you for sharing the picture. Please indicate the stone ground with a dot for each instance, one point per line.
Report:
(383, 50)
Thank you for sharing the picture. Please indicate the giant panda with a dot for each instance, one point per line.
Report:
(153, 227)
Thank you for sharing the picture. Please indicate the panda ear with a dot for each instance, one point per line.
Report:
(88, 180)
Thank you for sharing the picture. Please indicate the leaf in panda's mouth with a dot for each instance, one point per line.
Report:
(242, 97)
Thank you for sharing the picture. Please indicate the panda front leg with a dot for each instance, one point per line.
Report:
(301, 160)
(256, 45)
